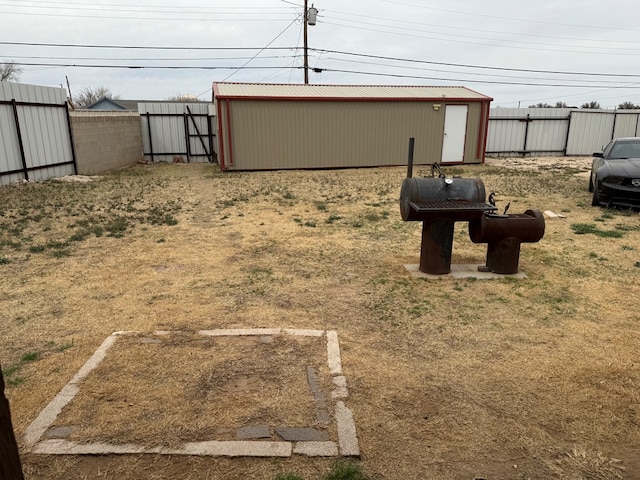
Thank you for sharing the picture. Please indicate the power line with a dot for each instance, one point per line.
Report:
(261, 50)
(492, 75)
(139, 47)
(147, 67)
(467, 29)
(457, 35)
(484, 67)
(169, 19)
(416, 77)
(620, 53)
(475, 14)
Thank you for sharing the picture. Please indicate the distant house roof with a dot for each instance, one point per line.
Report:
(106, 103)
(266, 91)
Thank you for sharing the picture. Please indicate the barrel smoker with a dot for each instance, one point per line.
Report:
(438, 202)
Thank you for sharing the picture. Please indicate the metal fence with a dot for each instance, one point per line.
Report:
(557, 131)
(178, 132)
(35, 133)
(36, 138)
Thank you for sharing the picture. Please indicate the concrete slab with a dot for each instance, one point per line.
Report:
(234, 449)
(303, 333)
(316, 449)
(467, 270)
(239, 332)
(347, 438)
(333, 353)
(212, 448)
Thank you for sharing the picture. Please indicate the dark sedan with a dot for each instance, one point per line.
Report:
(615, 174)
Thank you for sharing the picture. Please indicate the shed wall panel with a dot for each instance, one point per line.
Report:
(334, 134)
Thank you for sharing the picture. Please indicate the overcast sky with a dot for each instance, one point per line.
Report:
(518, 52)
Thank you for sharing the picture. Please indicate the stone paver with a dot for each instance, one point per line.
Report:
(302, 434)
(303, 333)
(347, 438)
(333, 353)
(240, 332)
(235, 449)
(316, 449)
(340, 390)
(253, 431)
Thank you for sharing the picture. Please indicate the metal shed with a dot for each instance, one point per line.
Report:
(272, 126)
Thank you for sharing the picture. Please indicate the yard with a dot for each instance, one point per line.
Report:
(448, 379)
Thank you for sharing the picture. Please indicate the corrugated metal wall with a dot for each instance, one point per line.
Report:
(532, 130)
(590, 131)
(44, 131)
(557, 131)
(166, 130)
(333, 134)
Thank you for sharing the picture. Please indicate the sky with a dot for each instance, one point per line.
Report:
(518, 52)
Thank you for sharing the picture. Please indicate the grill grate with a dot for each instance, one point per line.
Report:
(452, 206)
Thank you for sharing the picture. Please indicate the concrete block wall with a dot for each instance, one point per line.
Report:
(106, 140)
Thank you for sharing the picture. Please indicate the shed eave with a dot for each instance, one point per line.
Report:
(219, 96)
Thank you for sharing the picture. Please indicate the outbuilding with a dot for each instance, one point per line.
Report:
(275, 126)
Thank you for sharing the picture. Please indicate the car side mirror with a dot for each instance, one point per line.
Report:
(597, 154)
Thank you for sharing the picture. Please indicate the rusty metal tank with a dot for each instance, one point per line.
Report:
(416, 192)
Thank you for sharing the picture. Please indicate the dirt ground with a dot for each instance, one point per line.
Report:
(448, 379)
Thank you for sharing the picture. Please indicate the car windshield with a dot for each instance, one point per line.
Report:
(625, 150)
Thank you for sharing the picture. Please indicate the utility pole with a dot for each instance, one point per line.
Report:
(306, 46)
(309, 19)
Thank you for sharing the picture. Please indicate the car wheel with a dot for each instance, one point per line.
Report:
(590, 184)
(595, 200)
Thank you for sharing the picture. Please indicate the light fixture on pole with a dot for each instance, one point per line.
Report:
(310, 15)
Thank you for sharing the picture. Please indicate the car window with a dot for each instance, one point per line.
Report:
(625, 150)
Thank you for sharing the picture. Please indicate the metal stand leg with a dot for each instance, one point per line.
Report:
(437, 245)
(503, 256)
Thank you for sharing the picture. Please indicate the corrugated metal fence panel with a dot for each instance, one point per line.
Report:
(510, 132)
(168, 133)
(9, 147)
(626, 124)
(548, 136)
(44, 130)
(590, 131)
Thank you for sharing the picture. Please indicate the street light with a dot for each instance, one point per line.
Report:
(310, 15)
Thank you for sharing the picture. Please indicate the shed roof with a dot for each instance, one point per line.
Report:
(270, 91)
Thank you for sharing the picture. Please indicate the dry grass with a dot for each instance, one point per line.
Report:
(448, 379)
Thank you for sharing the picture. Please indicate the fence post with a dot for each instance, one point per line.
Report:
(16, 118)
(10, 467)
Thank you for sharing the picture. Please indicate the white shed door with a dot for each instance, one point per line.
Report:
(455, 132)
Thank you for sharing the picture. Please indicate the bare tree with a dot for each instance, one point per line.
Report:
(183, 98)
(592, 104)
(628, 106)
(540, 105)
(561, 105)
(90, 95)
(9, 72)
